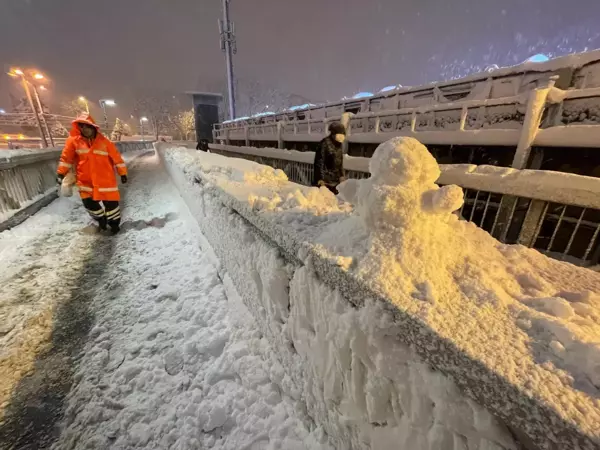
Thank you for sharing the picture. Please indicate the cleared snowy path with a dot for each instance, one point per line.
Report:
(168, 358)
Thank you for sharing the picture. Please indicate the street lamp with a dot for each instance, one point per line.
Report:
(19, 73)
(83, 100)
(142, 120)
(103, 104)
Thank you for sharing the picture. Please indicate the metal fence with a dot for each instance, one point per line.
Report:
(567, 232)
(30, 177)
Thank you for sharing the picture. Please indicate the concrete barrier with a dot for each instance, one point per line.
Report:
(371, 374)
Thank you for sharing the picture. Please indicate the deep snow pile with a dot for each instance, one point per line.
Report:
(533, 320)
(174, 360)
(347, 365)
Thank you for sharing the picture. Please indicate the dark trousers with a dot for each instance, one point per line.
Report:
(105, 213)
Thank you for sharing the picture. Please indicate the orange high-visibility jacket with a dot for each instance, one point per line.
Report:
(94, 163)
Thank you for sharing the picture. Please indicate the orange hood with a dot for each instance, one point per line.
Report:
(82, 118)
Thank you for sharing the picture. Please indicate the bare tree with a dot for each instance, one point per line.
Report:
(157, 109)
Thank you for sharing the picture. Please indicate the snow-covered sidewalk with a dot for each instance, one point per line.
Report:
(173, 358)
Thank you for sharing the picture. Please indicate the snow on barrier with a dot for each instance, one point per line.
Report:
(28, 180)
(397, 324)
(27, 183)
(556, 213)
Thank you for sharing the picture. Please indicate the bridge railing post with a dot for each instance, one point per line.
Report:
(536, 104)
(279, 134)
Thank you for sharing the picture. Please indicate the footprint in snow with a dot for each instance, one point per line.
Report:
(115, 360)
(173, 362)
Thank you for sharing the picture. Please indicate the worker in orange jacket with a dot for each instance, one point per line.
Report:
(94, 158)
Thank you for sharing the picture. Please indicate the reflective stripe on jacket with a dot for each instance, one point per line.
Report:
(94, 163)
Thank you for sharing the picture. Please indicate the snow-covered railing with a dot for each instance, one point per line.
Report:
(417, 339)
(27, 178)
(128, 146)
(543, 117)
(499, 118)
(553, 212)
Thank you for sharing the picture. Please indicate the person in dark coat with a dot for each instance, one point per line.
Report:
(329, 159)
(202, 145)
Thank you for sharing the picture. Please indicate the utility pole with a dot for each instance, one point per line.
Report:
(229, 47)
(103, 104)
(44, 122)
(34, 110)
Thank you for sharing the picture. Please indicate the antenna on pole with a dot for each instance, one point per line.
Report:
(229, 47)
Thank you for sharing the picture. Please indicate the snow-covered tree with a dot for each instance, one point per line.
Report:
(73, 108)
(127, 129)
(117, 131)
(184, 122)
(58, 130)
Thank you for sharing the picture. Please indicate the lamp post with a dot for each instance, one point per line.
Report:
(83, 100)
(103, 104)
(19, 73)
(142, 120)
(38, 76)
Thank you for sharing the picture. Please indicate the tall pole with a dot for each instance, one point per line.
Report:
(39, 103)
(103, 104)
(37, 118)
(142, 127)
(228, 45)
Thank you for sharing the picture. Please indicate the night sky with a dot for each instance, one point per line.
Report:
(320, 49)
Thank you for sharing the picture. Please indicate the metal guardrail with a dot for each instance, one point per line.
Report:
(30, 177)
(565, 231)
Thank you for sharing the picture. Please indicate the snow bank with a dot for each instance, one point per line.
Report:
(517, 332)
(546, 185)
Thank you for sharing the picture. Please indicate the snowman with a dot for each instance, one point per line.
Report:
(401, 191)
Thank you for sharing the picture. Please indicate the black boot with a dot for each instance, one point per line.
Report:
(114, 229)
(102, 223)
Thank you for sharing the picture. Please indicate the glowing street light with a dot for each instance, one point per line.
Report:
(16, 72)
(142, 120)
(38, 76)
(104, 103)
(43, 88)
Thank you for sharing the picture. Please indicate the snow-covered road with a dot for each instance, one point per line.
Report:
(135, 338)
